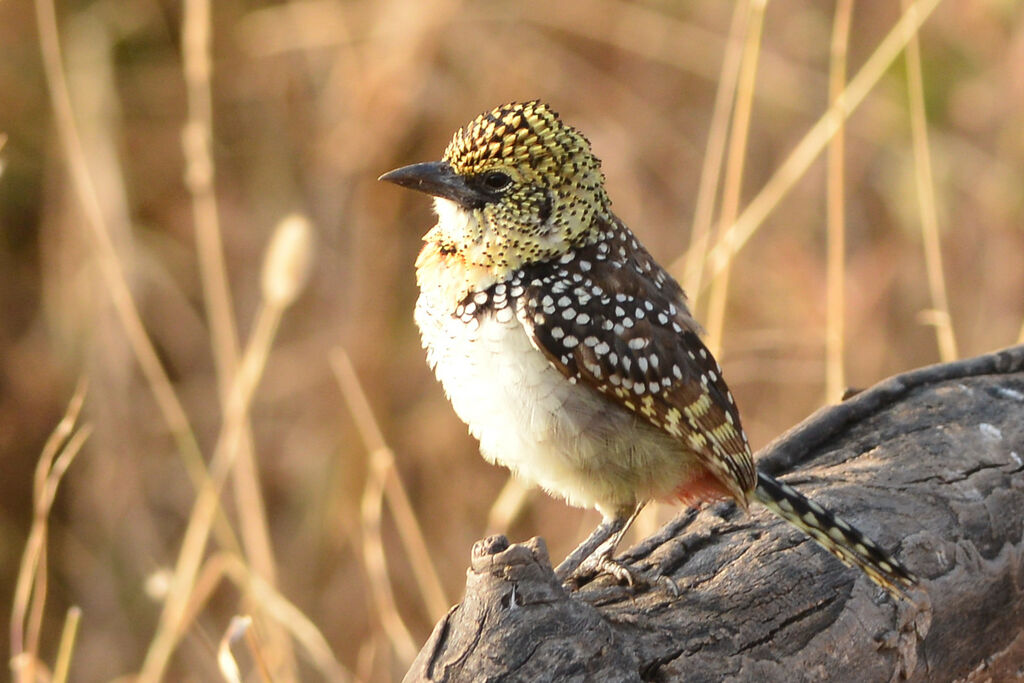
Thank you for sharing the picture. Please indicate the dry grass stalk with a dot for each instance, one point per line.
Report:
(283, 260)
(383, 483)
(241, 629)
(734, 168)
(225, 659)
(30, 590)
(939, 316)
(109, 263)
(268, 599)
(375, 559)
(714, 153)
(835, 298)
(62, 665)
(808, 149)
(507, 506)
(197, 138)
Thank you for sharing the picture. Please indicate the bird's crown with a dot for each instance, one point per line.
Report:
(535, 187)
(529, 138)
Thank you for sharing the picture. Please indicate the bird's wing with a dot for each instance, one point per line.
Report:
(608, 317)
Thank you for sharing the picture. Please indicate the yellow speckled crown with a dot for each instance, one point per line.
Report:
(531, 138)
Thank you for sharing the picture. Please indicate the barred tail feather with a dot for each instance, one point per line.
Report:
(835, 535)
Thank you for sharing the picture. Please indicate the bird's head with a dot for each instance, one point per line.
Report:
(515, 186)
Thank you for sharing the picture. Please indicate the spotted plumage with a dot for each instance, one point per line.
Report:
(570, 353)
(610, 318)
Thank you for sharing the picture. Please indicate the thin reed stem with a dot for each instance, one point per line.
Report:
(714, 153)
(30, 590)
(375, 559)
(507, 506)
(391, 486)
(68, 635)
(734, 167)
(939, 315)
(835, 295)
(812, 144)
(110, 265)
(197, 137)
(170, 626)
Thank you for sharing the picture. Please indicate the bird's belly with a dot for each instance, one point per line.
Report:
(528, 417)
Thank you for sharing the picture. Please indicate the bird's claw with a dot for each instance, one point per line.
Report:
(634, 578)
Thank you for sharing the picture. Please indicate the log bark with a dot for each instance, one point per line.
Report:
(928, 463)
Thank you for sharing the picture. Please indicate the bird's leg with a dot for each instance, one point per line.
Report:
(609, 527)
(594, 555)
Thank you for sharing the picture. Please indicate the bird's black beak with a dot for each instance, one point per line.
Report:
(436, 178)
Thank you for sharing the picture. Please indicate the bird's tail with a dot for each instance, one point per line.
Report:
(835, 535)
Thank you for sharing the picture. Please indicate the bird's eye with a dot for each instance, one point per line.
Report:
(496, 180)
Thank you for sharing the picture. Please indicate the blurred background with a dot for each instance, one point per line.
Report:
(105, 214)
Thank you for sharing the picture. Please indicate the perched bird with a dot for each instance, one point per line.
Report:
(570, 353)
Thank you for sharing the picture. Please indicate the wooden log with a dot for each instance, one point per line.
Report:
(928, 463)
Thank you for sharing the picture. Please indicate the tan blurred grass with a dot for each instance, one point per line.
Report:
(302, 106)
(29, 598)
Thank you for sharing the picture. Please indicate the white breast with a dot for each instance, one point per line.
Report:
(528, 417)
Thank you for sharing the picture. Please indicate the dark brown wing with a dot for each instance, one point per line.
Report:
(609, 317)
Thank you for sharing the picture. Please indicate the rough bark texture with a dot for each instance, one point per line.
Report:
(928, 463)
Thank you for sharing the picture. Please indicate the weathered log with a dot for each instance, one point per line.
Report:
(928, 463)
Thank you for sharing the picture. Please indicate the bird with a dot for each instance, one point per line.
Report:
(571, 354)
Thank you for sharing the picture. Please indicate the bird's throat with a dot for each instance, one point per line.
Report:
(457, 256)
(449, 274)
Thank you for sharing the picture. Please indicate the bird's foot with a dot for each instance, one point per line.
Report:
(595, 565)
